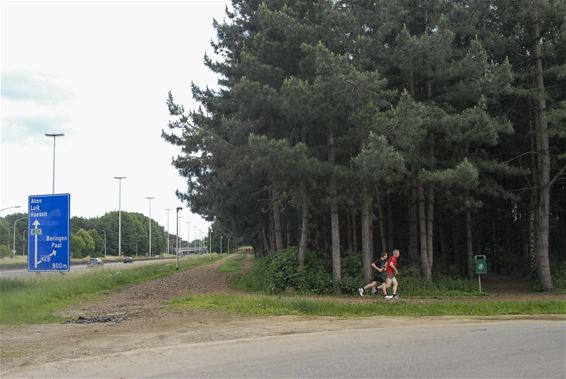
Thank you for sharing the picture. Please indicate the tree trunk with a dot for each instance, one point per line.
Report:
(355, 229)
(276, 219)
(429, 229)
(334, 221)
(426, 273)
(413, 226)
(543, 184)
(289, 241)
(304, 230)
(389, 222)
(380, 217)
(444, 249)
(366, 230)
(469, 246)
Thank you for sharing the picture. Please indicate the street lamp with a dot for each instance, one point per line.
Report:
(209, 241)
(228, 245)
(120, 213)
(168, 235)
(14, 245)
(24, 244)
(15, 206)
(195, 234)
(221, 244)
(188, 237)
(177, 239)
(149, 222)
(54, 135)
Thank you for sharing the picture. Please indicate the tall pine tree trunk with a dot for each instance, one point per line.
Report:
(334, 220)
(543, 183)
(304, 229)
(469, 246)
(389, 222)
(276, 219)
(425, 267)
(413, 225)
(355, 229)
(366, 230)
(380, 216)
(429, 229)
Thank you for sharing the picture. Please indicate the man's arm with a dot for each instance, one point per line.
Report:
(377, 268)
(393, 267)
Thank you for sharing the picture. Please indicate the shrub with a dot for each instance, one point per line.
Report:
(281, 273)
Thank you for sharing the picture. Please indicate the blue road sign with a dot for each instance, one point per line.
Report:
(49, 233)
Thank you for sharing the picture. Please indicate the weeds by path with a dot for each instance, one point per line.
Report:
(37, 300)
(265, 305)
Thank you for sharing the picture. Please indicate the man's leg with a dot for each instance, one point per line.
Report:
(362, 290)
(395, 285)
(382, 288)
(386, 286)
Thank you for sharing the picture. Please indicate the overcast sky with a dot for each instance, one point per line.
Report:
(99, 72)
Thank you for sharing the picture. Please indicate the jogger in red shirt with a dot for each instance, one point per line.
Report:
(391, 270)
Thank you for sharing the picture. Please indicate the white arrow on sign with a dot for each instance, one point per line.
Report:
(35, 224)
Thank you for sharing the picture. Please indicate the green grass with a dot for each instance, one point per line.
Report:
(35, 300)
(232, 264)
(264, 305)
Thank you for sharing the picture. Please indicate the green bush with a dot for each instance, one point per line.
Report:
(5, 251)
(558, 272)
(281, 273)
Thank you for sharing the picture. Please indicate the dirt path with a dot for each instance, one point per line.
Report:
(132, 318)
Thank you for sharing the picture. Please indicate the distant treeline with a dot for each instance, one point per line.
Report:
(87, 235)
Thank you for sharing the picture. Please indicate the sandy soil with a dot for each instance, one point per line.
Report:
(134, 318)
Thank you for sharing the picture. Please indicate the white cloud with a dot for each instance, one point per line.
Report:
(114, 63)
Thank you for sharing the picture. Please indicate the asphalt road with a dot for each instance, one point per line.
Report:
(503, 349)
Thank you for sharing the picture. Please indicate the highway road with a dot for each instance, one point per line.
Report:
(23, 273)
(494, 349)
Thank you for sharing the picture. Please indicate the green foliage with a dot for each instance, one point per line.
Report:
(5, 251)
(36, 300)
(360, 94)
(232, 264)
(559, 275)
(262, 305)
(279, 274)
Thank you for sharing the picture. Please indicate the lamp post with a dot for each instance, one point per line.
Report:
(119, 213)
(54, 135)
(104, 231)
(149, 222)
(168, 235)
(15, 206)
(228, 245)
(195, 234)
(221, 244)
(209, 241)
(177, 249)
(14, 245)
(24, 244)
(188, 237)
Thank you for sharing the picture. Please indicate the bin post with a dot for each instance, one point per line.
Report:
(480, 267)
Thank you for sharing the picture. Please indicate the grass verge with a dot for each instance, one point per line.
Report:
(232, 264)
(34, 301)
(264, 305)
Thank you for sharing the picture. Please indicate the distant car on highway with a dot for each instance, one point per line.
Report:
(93, 262)
(128, 260)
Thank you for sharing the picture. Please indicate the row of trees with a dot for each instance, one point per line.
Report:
(436, 126)
(87, 235)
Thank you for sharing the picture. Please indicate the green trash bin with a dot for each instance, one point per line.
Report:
(480, 264)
